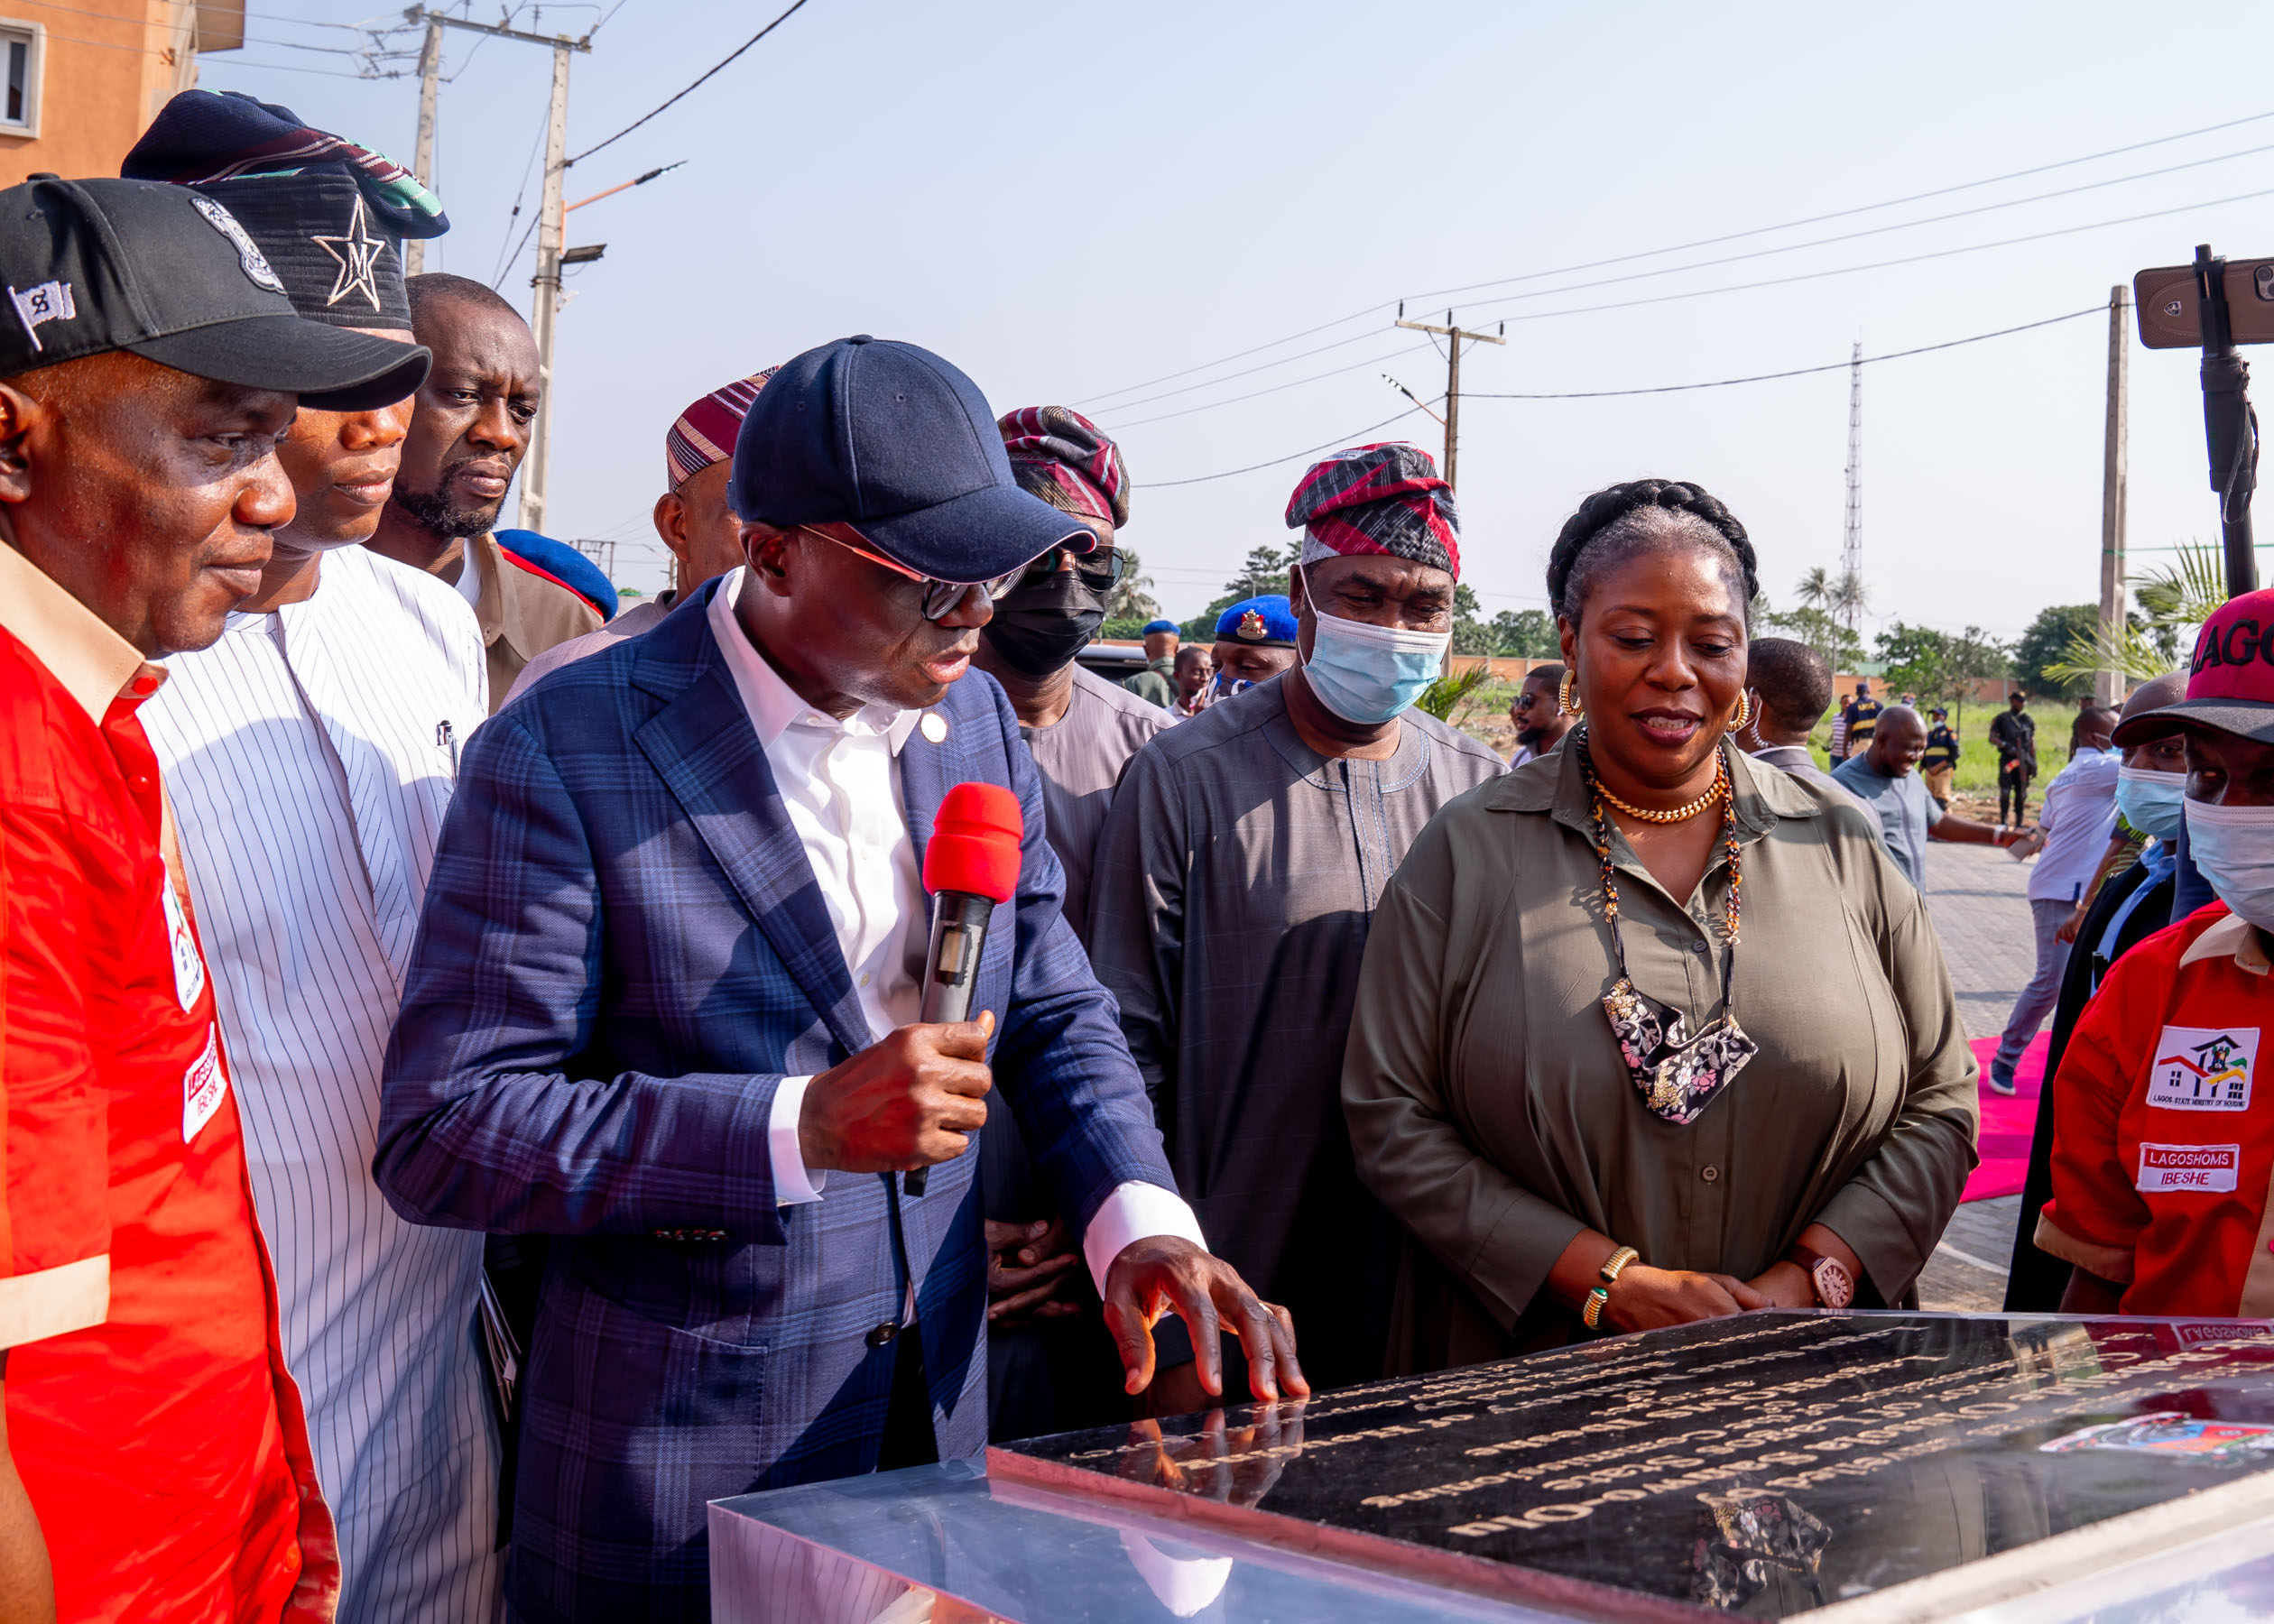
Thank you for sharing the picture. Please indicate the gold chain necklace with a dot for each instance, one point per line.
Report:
(1681, 814)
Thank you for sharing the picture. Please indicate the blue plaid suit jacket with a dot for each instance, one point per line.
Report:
(624, 951)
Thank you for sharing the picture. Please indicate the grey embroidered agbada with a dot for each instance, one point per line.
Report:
(1234, 889)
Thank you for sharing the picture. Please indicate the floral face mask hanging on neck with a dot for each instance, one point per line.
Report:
(1678, 1074)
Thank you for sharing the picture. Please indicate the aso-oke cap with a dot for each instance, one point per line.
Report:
(1385, 499)
(1063, 457)
(703, 436)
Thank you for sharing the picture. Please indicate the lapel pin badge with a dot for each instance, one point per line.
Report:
(934, 727)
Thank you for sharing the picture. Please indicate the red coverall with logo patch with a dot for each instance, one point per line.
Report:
(2163, 1126)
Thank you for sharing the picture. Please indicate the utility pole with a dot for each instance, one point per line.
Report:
(2108, 685)
(1454, 337)
(422, 160)
(546, 306)
(1851, 539)
(547, 302)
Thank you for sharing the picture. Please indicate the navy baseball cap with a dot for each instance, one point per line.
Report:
(897, 443)
(91, 266)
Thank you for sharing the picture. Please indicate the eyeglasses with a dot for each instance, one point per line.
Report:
(940, 598)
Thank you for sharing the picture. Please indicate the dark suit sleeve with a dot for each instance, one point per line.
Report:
(481, 1124)
(1061, 1061)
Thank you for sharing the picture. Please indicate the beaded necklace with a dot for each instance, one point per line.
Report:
(1679, 1075)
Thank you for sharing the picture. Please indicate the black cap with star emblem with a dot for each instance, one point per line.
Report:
(170, 274)
(329, 216)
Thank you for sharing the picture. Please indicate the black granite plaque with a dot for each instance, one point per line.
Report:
(1764, 1465)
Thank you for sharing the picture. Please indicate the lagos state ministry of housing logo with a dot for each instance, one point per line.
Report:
(2204, 1068)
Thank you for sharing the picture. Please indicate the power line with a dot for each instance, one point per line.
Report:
(1272, 389)
(1841, 213)
(796, 5)
(1816, 219)
(1663, 388)
(1795, 371)
(1910, 259)
(1337, 442)
(1850, 236)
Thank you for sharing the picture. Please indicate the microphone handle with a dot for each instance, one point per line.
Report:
(951, 969)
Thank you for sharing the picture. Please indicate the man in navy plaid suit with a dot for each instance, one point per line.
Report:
(662, 1010)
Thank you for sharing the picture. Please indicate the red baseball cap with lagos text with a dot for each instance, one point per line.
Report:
(2230, 680)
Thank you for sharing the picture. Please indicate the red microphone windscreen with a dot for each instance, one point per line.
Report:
(975, 843)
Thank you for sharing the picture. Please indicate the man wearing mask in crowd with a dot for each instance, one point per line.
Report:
(1541, 724)
(1236, 995)
(310, 753)
(2126, 910)
(1883, 777)
(664, 1007)
(468, 433)
(2013, 735)
(1940, 765)
(692, 516)
(155, 1463)
(2164, 1127)
(1254, 643)
(1792, 687)
(1156, 682)
(1194, 667)
(1050, 1359)
(2072, 835)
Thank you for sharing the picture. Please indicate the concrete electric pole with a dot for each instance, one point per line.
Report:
(422, 160)
(2108, 685)
(1851, 536)
(545, 308)
(545, 305)
(1454, 337)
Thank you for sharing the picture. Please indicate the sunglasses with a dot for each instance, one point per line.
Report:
(939, 597)
(1100, 569)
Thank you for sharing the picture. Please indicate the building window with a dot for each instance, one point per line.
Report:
(20, 64)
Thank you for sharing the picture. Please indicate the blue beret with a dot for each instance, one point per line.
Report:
(1262, 622)
(1160, 625)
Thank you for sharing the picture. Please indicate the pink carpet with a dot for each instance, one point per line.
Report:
(2006, 1121)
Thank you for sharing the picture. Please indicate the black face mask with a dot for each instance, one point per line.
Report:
(1038, 627)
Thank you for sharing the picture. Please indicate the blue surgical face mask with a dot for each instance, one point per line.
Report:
(2235, 848)
(1369, 674)
(2150, 801)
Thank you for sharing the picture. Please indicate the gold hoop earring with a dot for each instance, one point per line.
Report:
(1567, 695)
(1745, 711)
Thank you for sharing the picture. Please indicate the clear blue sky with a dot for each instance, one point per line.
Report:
(1068, 201)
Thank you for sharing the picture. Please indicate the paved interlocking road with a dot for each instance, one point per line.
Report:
(1978, 896)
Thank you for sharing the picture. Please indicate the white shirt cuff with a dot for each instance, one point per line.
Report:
(1131, 1212)
(794, 1183)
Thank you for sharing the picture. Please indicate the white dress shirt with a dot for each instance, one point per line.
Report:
(841, 784)
(2078, 820)
(310, 755)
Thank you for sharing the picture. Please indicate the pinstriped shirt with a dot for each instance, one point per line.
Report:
(310, 754)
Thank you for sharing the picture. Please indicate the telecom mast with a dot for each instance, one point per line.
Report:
(1852, 543)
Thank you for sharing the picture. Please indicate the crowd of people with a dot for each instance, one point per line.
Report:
(461, 1044)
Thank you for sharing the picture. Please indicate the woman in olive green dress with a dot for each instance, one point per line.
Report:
(1648, 1032)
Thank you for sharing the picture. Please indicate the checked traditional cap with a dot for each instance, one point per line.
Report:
(198, 138)
(1378, 499)
(703, 436)
(1063, 457)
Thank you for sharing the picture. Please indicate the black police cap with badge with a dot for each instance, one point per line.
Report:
(92, 266)
(329, 216)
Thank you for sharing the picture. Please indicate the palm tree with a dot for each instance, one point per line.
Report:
(1816, 589)
(1130, 599)
(1850, 598)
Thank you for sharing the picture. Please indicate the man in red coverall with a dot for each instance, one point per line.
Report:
(2163, 1136)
